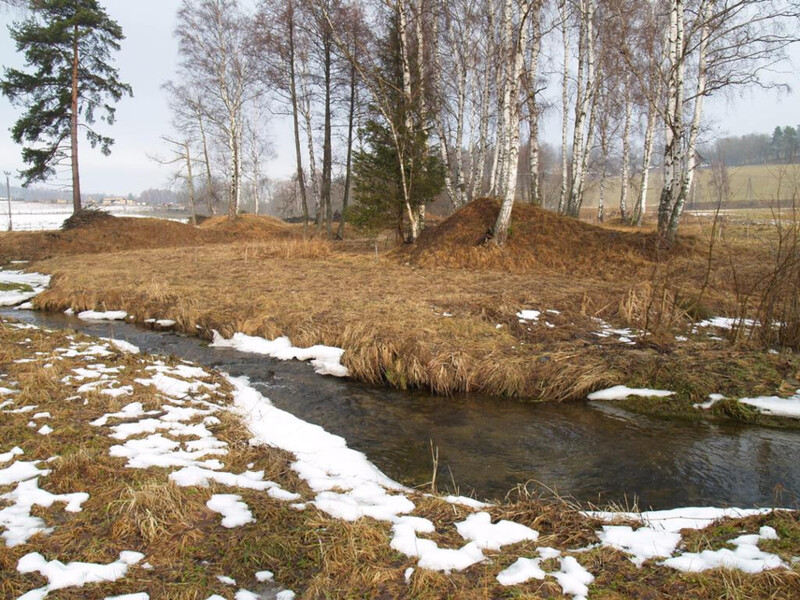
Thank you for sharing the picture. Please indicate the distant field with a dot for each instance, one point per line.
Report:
(752, 185)
(38, 216)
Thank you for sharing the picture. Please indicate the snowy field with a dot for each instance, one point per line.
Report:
(36, 216)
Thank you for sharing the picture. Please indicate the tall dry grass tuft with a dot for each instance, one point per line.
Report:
(287, 248)
(153, 511)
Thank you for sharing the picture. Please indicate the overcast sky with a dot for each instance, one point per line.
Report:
(148, 59)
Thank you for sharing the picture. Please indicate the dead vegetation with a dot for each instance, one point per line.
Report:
(94, 231)
(442, 315)
(317, 556)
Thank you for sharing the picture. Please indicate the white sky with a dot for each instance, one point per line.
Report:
(148, 59)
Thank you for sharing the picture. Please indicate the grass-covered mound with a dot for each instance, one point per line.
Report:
(538, 239)
(95, 231)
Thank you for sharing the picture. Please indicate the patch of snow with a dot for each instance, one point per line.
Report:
(45, 430)
(641, 544)
(773, 405)
(574, 578)
(521, 571)
(465, 501)
(7, 456)
(36, 281)
(123, 345)
(712, 400)
(109, 315)
(479, 528)
(746, 556)
(285, 595)
(75, 574)
(620, 392)
(235, 513)
(21, 471)
(262, 576)
(245, 595)
(529, 315)
(226, 580)
(326, 360)
(430, 555)
(725, 322)
(16, 518)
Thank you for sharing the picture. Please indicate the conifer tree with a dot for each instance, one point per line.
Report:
(69, 80)
(396, 171)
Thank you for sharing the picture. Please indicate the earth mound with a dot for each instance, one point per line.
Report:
(91, 232)
(249, 226)
(538, 239)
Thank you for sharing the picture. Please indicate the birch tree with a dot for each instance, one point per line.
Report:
(216, 58)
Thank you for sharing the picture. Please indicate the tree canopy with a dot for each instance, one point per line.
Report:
(69, 82)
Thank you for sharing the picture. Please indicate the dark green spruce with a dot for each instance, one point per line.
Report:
(68, 82)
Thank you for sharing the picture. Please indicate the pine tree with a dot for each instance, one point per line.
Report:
(379, 171)
(67, 46)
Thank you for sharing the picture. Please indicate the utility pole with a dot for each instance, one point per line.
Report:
(8, 196)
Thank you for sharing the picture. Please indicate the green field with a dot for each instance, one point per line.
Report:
(750, 186)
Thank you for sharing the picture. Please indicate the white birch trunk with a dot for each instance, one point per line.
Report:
(562, 202)
(626, 153)
(690, 159)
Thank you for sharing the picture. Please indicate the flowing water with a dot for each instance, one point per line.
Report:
(593, 452)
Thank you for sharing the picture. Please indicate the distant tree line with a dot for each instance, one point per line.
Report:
(782, 147)
(399, 99)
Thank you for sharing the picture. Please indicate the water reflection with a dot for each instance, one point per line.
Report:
(595, 452)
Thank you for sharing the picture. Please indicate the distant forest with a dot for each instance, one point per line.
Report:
(782, 147)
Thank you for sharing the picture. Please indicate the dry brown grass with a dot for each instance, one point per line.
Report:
(319, 557)
(118, 234)
(538, 240)
(390, 317)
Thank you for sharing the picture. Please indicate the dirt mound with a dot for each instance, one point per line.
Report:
(84, 217)
(538, 239)
(116, 234)
(249, 226)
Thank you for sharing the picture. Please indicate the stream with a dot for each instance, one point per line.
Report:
(592, 452)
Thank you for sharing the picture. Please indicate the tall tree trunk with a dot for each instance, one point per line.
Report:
(411, 211)
(535, 44)
(190, 181)
(626, 154)
(694, 128)
(562, 202)
(647, 159)
(76, 177)
(673, 151)
(514, 60)
(583, 103)
(327, 155)
(301, 178)
(212, 194)
(478, 174)
(312, 159)
(349, 163)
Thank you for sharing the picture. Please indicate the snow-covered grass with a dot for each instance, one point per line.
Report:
(192, 458)
(17, 287)
(36, 216)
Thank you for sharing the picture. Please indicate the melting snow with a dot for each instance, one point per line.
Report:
(109, 315)
(326, 360)
(773, 405)
(745, 557)
(74, 574)
(235, 513)
(36, 281)
(620, 392)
